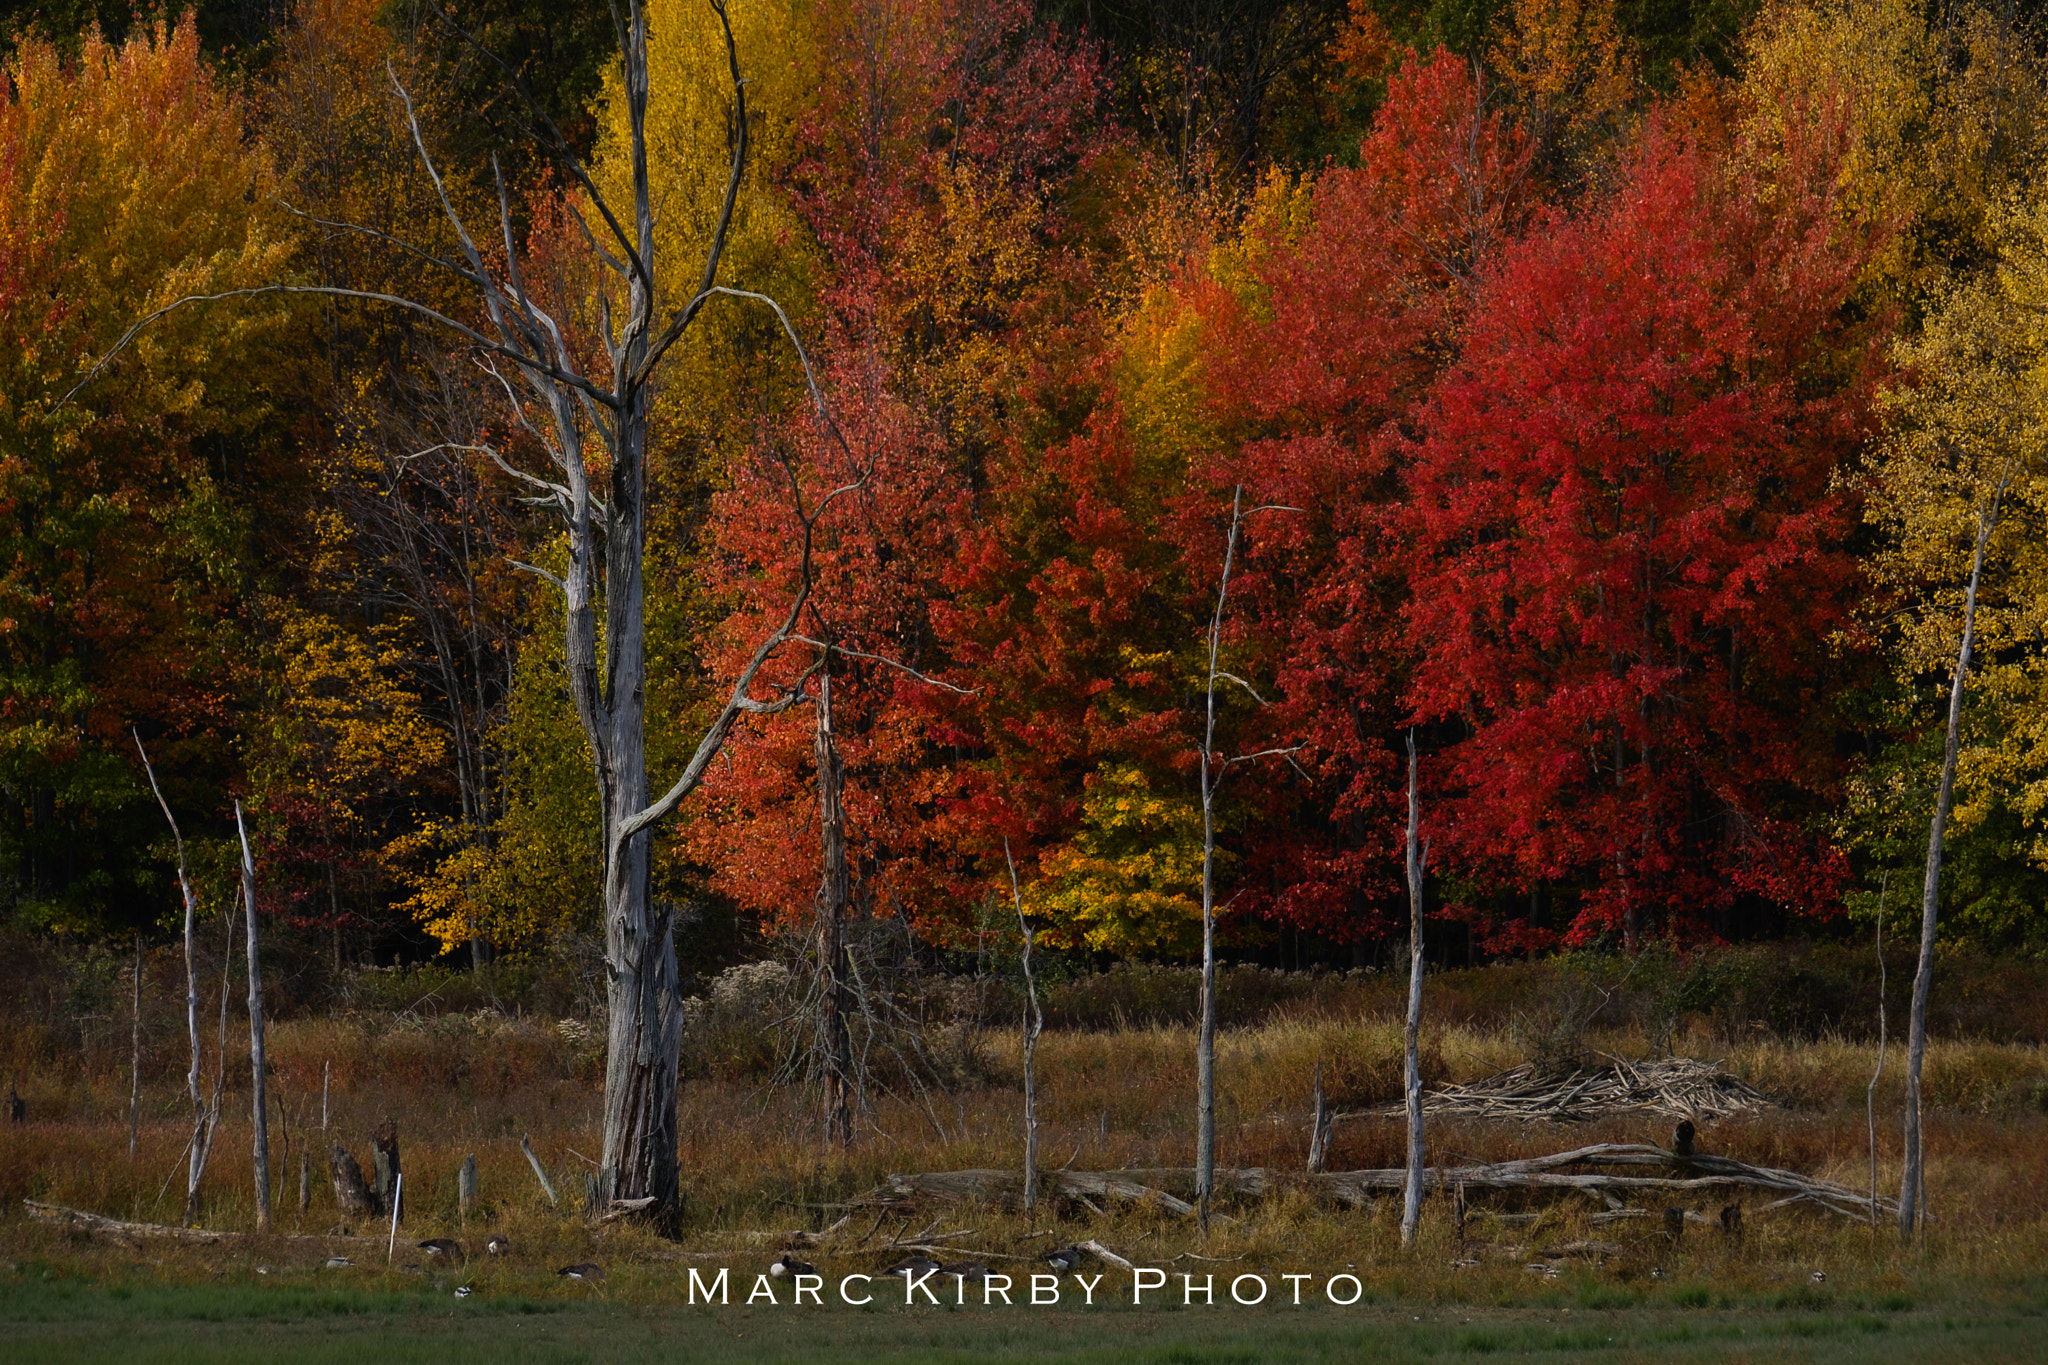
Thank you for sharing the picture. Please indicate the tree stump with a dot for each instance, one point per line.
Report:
(466, 1184)
(350, 1192)
(385, 1141)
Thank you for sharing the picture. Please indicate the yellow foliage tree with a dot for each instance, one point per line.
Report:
(1573, 70)
(1130, 880)
(1971, 431)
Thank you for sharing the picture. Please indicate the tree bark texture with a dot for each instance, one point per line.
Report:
(350, 1192)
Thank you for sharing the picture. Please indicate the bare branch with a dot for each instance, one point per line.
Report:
(475, 337)
(898, 665)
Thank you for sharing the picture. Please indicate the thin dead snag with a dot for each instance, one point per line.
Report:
(259, 1109)
(1034, 1024)
(204, 1117)
(1411, 1205)
(835, 895)
(1913, 1183)
(1213, 770)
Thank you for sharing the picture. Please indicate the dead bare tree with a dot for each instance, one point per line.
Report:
(135, 1058)
(1213, 771)
(259, 1110)
(1870, 1091)
(1034, 1024)
(835, 895)
(203, 1116)
(531, 355)
(1411, 1034)
(1913, 1183)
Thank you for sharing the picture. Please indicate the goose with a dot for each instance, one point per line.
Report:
(966, 1270)
(790, 1265)
(463, 1291)
(339, 1263)
(1674, 1224)
(1682, 1140)
(1819, 1277)
(582, 1270)
(1465, 1263)
(1731, 1220)
(499, 1245)
(1656, 1272)
(443, 1249)
(1064, 1259)
(911, 1267)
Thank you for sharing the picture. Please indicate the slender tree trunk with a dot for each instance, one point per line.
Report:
(258, 1105)
(1205, 1047)
(196, 1153)
(1034, 1024)
(1870, 1091)
(834, 905)
(1913, 1185)
(1411, 1204)
(135, 1058)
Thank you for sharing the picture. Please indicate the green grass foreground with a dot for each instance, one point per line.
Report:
(50, 1316)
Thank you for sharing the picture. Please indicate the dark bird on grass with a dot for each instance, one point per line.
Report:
(1064, 1259)
(1674, 1224)
(443, 1249)
(583, 1270)
(1681, 1141)
(966, 1270)
(1731, 1220)
(790, 1265)
(913, 1266)
(499, 1245)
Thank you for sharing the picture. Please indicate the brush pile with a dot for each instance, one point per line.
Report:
(1675, 1088)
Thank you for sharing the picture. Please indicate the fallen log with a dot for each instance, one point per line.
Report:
(128, 1233)
(1697, 1174)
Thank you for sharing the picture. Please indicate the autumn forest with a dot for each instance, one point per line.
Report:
(1110, 423)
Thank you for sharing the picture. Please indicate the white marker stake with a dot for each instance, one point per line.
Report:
(397, 1193)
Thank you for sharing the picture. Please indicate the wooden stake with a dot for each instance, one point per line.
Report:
(397, 1193)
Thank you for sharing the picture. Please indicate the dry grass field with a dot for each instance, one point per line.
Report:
(474, 1082)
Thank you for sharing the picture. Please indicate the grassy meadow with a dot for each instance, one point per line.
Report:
(1114, 1094)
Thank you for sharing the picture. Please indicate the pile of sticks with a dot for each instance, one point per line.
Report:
(1675, 1088)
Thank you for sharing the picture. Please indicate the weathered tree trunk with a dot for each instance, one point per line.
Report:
(1411, 1203)
(1034, 1024)
(135, 1058)
(384, 1151)
(835, 895)
(258, 1105)
(1913, 1185)
(1870, 1091)
(465, 1187)
(350, 1192)
(1320, 1125)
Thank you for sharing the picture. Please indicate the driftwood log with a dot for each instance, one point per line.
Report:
(1607, 1171)
(350, 1192)
(125, 1233)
